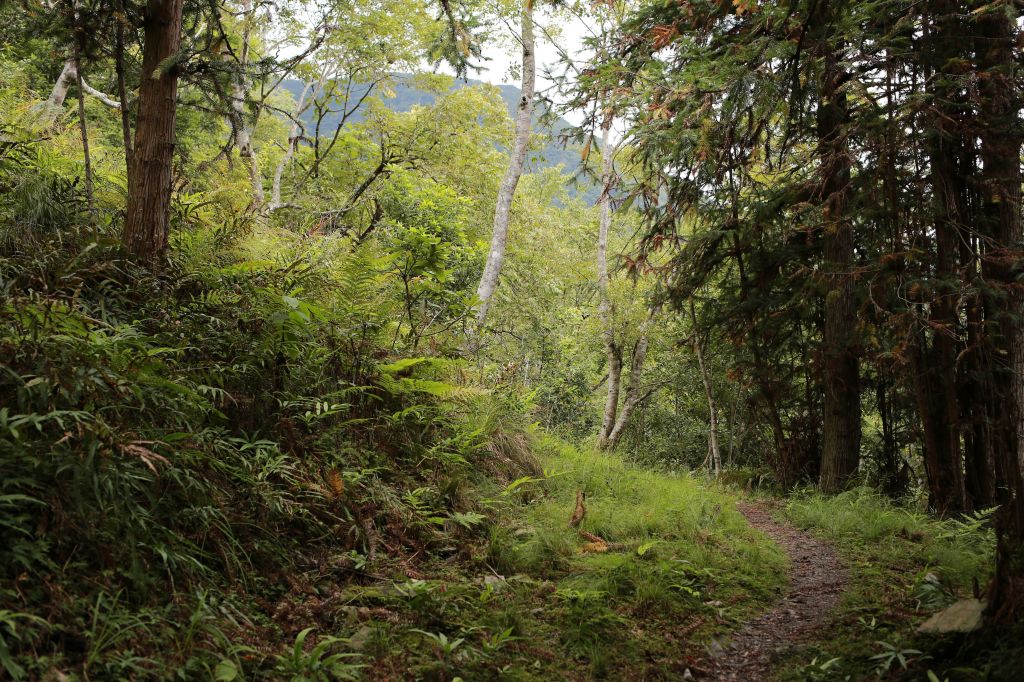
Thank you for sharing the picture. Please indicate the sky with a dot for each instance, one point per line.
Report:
(567, 31)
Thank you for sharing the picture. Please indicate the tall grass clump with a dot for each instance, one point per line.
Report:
(671, 534)
(958, 549)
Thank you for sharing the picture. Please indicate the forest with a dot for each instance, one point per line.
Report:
(458, 340)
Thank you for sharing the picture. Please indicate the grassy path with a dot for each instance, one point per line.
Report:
(817, 579)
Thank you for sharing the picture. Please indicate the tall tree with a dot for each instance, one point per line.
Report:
(933, 365)
(237, 93)
(705, 376)
(613, 353)
(1002, 135)
(841, 372)
(146, 227)
(517, 159)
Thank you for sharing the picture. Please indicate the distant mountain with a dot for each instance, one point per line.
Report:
(406, 96)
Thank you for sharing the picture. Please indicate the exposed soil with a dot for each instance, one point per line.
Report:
(816, 581)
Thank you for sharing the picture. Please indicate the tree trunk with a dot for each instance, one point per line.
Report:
(83, 128)
(890, 469)
(243, 140)
(941, 452)
(236, 108)
(612, 352)
(146, 225)
(293, 144)
(935, 366)
(716, 455)
(69, 76)
(974, 387)
(611, 403)
(503, 209)
(633, 396)
(122, 96)
(782, 459)
(841, 423)
(55, 102)
(1001, 139)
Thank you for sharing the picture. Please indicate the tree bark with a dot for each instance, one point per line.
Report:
(69, 76)
(941, 444)
(293, 144)
(146, 227)
(83, 128)
(935, 370)
(612, 352)
(122, 95)
(974, 390)
(841, 423)
(60, 90)
(890, 468)
(716, 454)
(503, 208)
(236, 97)
(611, 403)
(1000, 104)
(633, 395)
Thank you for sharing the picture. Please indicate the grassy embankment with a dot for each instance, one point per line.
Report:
(904, 566)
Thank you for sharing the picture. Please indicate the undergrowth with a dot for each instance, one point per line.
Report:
(236, 468)
(905, 566)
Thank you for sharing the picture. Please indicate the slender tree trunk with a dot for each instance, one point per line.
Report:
(612, 352)
(716, 455)
(782, 459)
(69, 76)
(243, 140)
(236, 96)
(146, 227)
(1001, 140)
(633, 395)
(293, 144)
(87, 158)
(503, 209)
(889, 467)
(733, 429)
(122, 96)
(975, 386)
(841, 422)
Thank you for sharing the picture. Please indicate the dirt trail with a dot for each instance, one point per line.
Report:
(816, 581)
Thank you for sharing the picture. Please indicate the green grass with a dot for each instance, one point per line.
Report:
(176, 509)
(904, 566)
(683, 566)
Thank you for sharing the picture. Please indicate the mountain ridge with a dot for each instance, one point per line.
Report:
(406, 95)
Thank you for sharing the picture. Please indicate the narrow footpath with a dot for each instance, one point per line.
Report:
(816, 581)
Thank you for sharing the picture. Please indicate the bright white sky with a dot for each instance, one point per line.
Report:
(569, 33)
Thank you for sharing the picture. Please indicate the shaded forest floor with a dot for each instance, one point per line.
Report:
(279, 502)
(692, 579)
(817, 577)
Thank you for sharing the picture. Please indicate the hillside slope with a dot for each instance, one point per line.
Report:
(406, 95)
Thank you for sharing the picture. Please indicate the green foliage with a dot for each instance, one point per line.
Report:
(316, 663)
(904, 566)
(181, 433)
